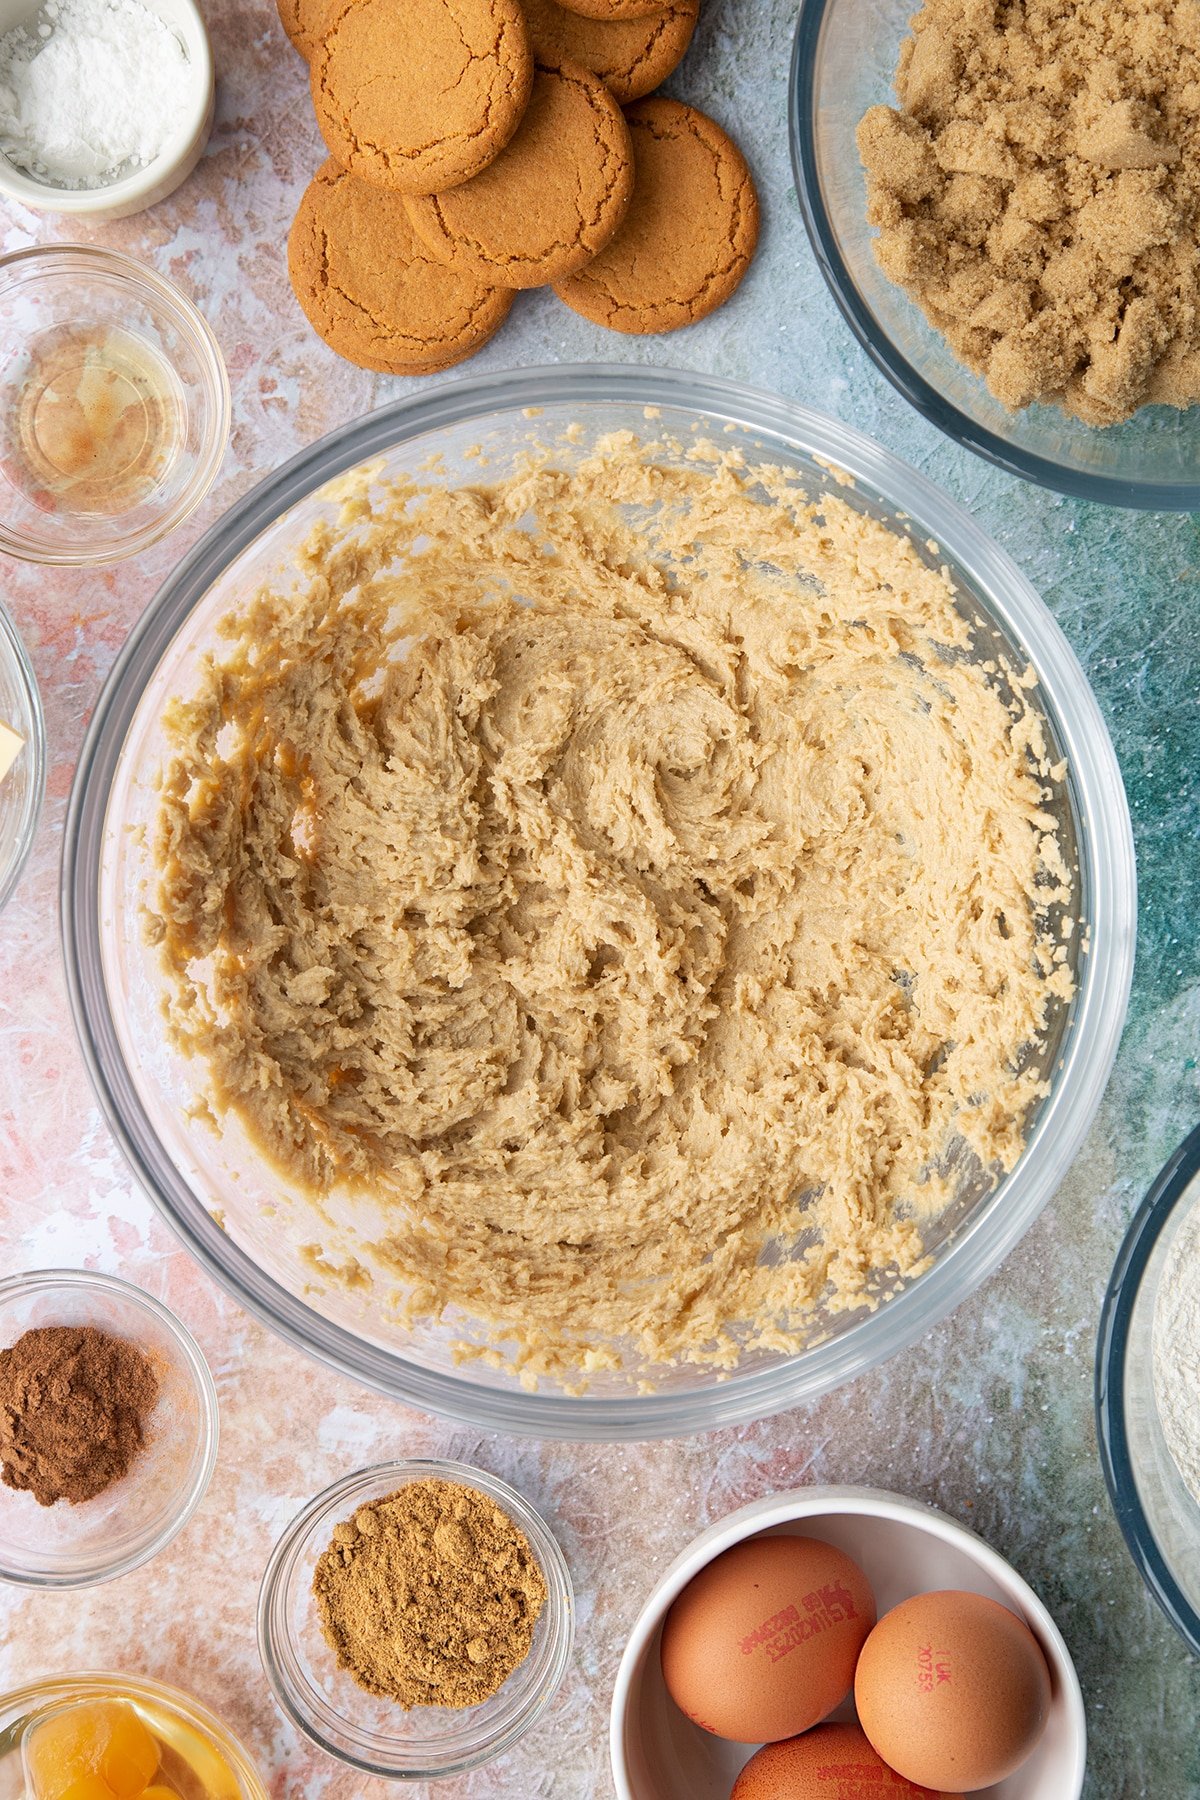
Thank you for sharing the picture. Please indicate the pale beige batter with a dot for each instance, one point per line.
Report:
(700, 902)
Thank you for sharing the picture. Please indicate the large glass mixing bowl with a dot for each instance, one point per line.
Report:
(231, 1210)
(843, 62)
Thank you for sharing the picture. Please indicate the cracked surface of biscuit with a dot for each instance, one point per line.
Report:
(420, 94)
(304, 22)
(631, 56)
(551, 200)
(372, 290)
(613, 9)
(689, 234)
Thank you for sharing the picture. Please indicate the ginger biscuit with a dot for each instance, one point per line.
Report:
(372, 290)
(420, 94)
(304, 22)
(551, 200)
(631, 56)
(689, 234)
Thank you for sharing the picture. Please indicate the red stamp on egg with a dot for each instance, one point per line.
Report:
(786, 1630)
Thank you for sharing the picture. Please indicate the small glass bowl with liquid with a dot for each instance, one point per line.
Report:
(114, 405)
(199, 1758)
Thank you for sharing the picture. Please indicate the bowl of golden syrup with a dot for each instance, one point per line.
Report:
(114, 405)
(118, 1737)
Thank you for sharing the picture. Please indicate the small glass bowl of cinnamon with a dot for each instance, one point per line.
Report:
(75, 1543)
(376, 1735)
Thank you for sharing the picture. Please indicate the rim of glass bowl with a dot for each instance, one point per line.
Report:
(275, 1638)
(102, 1682)
(929, 402)
(1107, 869)
(35, 748)
(1112, 1346)
(84, 259)
(27, 1284)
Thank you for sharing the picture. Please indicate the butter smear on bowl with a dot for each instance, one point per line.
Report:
(11, 746)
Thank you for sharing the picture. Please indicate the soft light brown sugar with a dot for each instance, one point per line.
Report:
(1038, 194)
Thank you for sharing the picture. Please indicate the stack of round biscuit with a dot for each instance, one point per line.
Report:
(482, 146)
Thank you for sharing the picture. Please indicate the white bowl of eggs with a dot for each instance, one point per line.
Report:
(844, 1641)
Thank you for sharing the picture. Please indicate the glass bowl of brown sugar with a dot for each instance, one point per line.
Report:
(844, 61)
(479, 1613)
(108, 1428)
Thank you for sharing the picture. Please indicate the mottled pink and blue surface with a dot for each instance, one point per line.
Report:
(991, 1416)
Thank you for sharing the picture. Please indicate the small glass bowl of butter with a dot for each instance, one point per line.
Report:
(114, 406)
(22, 756)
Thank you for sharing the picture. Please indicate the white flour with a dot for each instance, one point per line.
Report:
(1177, 1351)
(89, 90)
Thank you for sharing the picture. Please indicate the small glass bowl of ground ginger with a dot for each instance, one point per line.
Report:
(474, 1608)
(108, 1428)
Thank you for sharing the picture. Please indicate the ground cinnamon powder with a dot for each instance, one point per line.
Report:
(429, 1597)
(73, 1404)
(1038, 194)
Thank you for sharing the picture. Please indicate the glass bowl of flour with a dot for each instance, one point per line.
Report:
(1147, 1380)
(105, 105)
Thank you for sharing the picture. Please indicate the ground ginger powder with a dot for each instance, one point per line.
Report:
(430, 1596)
(1038, 194)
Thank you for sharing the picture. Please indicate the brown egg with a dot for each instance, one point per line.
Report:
(830, 1763)
(763, 1641)
(952, 1690)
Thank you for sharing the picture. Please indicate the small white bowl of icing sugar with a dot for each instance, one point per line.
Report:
(105, 105)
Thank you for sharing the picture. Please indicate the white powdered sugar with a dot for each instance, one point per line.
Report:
(90, 90)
